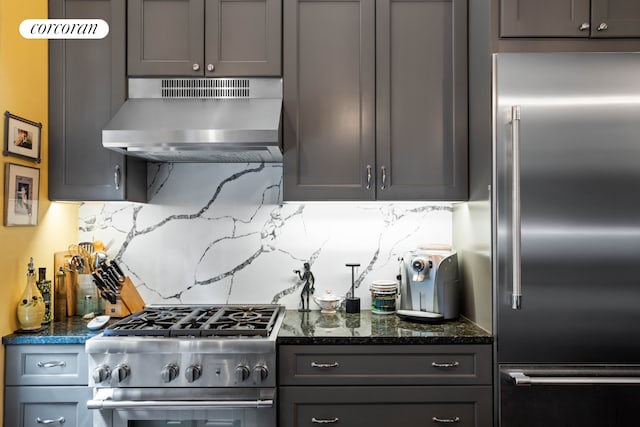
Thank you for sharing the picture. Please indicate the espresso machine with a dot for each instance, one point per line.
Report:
(429, 286)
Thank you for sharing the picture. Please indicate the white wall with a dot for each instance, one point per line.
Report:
(219, 233)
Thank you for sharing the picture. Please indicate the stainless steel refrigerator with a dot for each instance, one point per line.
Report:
(566, 236)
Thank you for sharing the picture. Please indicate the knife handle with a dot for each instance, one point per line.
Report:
(116, 267)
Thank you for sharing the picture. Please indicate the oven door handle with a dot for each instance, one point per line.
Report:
(178, 404)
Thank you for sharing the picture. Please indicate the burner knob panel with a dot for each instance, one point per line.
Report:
(193, 372)
(121, 373)
(169, 372)
(101, 373)
(242, 373)
(260, 373)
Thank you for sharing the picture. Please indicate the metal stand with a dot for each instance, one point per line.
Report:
(352, 304)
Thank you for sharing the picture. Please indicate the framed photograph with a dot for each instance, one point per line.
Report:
(22, 137)
(21, 195)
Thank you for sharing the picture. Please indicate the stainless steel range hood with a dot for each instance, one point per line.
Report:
(199, 120)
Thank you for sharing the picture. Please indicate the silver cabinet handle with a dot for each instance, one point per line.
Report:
(445, 420)
(51, 364)
(117, 176)
(325, 421)
(445, 364)
(211, 67)
(383, 171)
(584, 26)
(602, 27)
(369, 177)
(520, 379)
(195, 67)
(60, 420)
(516, 293)
(324, 365)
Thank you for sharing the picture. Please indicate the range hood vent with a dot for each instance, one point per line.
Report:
(199, 120)
(205, 88)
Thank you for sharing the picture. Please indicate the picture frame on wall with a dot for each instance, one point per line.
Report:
(21, 137)
(21, 195)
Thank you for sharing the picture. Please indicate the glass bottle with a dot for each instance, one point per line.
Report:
(31, 306)
(44, 286)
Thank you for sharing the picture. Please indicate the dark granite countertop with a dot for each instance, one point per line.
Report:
(368, 328)
(304, 328)
(73, 330)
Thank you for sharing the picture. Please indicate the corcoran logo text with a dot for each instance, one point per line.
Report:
(64, 29)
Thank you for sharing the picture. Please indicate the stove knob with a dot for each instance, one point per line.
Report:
(121, 373)
(101, 373)
(169, 372)
(260, 373)
(242, 373)
(193, 372)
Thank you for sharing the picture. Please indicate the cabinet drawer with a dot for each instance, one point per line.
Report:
(380, 365)
(385, 406)
(46, 365)
(56, 406)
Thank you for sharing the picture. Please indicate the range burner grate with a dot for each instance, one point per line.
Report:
(198, 321)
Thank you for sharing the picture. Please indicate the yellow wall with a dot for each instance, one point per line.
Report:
(23, 92)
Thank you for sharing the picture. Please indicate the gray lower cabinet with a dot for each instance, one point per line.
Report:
(569, 18)
(213, 38)
(383, 385)
(46, 384)
(87, 85)
(375, 96)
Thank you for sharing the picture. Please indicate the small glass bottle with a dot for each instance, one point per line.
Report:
(44, 286)
(60, 297)
(31, 306)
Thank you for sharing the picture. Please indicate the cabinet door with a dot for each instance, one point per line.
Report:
(329, 89)
(421, 104)
(56, 406)
(242, 37)
(544, 18)
(166, 37)
(615, 18)
(87, 85)
(385, 406)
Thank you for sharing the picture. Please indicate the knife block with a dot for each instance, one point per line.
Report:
(130, 296)
(116, 310)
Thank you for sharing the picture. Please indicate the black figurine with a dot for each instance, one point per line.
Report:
(308, 287)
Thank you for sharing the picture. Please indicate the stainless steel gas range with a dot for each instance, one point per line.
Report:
(187, 366)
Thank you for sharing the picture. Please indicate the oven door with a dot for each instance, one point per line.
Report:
(185, 407)
(569, 396)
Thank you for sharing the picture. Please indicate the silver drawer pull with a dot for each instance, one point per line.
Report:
(520, 379)
(321, 421)
(51, 364)
(445, 364)
(446, 420)
(60, 420)
(324, 365)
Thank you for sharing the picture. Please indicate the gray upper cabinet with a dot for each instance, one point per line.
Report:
(375, 100)
(421, 99)
(569, 18)
(329, 104)
(87, 85)
(211, 38)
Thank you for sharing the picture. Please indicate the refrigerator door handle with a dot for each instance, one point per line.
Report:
(516, 293)
(520, 379)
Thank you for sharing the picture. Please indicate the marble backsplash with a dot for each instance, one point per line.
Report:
(219, 233)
